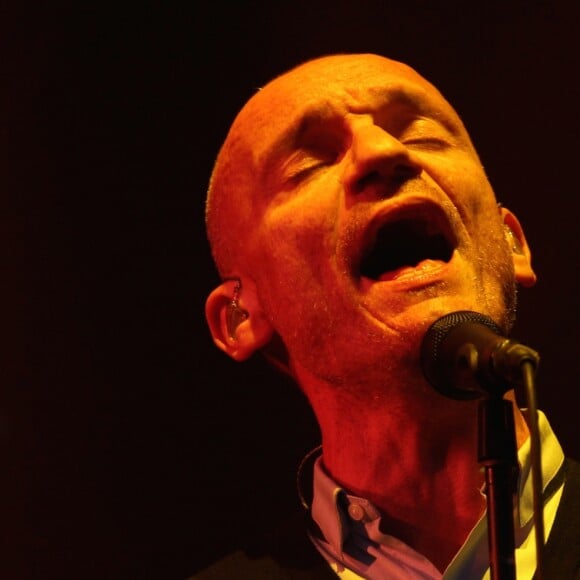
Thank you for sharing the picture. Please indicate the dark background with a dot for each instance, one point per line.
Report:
(130, 447)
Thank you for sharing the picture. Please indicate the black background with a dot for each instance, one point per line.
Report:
(129, 446)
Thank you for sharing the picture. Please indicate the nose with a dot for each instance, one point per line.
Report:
(379, 163)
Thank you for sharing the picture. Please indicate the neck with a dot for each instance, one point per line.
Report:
(414, 457)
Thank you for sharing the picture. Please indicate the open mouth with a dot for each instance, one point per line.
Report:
(405, 242)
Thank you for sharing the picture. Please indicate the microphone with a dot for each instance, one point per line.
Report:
(465, 356)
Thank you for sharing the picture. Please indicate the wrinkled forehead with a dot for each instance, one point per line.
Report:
(337, 84)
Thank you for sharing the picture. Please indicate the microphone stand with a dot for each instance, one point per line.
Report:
(465, 357)
(498, 454)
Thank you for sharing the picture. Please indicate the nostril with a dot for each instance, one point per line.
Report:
(387, 181)
(403, 172)
(367, 180)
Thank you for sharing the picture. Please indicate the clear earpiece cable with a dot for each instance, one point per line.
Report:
(536, 463)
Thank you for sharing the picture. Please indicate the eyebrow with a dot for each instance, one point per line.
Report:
(316, 113)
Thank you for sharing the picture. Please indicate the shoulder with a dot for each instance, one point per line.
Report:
(285, 553)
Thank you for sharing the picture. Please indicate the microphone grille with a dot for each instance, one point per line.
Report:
(434, 337)
(439, 329)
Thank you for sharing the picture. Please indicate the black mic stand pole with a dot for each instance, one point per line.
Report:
(498, 454)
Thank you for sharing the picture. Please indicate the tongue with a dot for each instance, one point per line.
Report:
(404, 271)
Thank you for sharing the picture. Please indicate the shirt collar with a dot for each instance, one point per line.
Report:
(552, 463)
(334, 509)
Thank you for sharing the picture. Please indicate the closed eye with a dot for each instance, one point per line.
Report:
(304, 163)
(319, 144)
(427, 143)
(427, 134)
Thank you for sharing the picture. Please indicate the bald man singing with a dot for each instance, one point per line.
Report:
(347, 212)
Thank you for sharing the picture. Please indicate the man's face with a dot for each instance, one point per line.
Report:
(371, 216)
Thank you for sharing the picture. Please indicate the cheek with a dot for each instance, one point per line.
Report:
(297, 241)
(294, 268)
(464, 181)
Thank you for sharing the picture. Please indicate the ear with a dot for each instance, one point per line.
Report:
(237, 324)
(522, 257)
